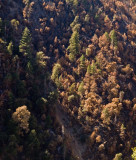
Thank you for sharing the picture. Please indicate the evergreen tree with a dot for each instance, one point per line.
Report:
(55, 73)
(15, 23)
(134, 153)
(29, 68)
(76, 27)
(82, 63)
(25, 43)
(76, 21)
(81, 88)
(72, 89)
(75, 24)
(33, 140)
(87, 18)
(107, 36)
(73, 3)
(89, 69)
(26, 2)
(40, 59)
(93, 68)
(118, 156)
(10, 48)
(113, 36)
(74, 46)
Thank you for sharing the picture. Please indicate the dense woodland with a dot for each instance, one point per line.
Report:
(67, 80)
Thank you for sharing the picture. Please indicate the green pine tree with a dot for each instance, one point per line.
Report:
(81, 88)
(134, 153)
(25, 43)
(118, 156)
(82, 63)
(93, 68)
(15, 23)
(107, 36)
(113, 36)
(76, 21)
(55, 73)
(74, 46)
(89, 69)
(40, 59)
(10, 48)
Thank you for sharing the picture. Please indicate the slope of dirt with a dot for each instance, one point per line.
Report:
(69, 133)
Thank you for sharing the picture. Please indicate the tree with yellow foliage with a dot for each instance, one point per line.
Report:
(21, 116)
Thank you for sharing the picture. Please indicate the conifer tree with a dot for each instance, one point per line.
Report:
(134, 153)
(40, 59)
(15, 23)
(82, 63)
(114, 41)
(118, 156)
(33, 140)
(29, 68)
(55, 72)
(72, 89)
(87, 18)
(10, 48)
(74, 46)
(89, 69)
(75, 24)
(26, 2)
(81, 88)
(107, 36)
(93, 67)
(73, 3)
(76, 21)
(25, 43)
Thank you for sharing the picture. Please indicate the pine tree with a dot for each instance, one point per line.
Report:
(113, 36)
(89, 69)
(26, 2)
(134, 153)
(82, 63)
(107, 36)
(33, 140)
(73, 3)
(55, 72)
(87, 18)
(25, 43)
(29, 68)
(15, 23)
(74, 46)
(40, 59)
(118, 156)
(93, 68)
(10, 48)
(81, 88)
(75, 24)
(72, 89)
(76, 21)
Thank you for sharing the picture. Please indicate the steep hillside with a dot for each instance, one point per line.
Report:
(68, 81)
